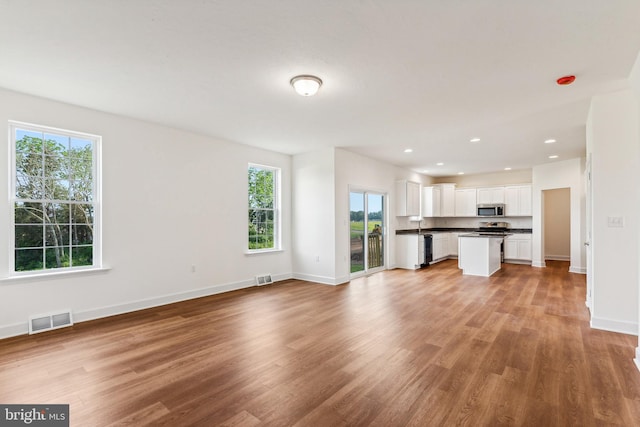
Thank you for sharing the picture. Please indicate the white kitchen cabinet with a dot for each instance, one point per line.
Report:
(453, 244)
(438, 200)
(431, 201)
(490, 195)
(518, 200)
(407, 198)
(479, 256)
(409, 251)
(440, 246)
(447, 199)
(465, 204)
(517, 247)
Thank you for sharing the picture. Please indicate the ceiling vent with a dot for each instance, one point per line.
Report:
(47, 322)
(264, 280)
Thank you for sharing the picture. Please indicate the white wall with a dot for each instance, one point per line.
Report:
(314, 216)
(354, 171)
(634, 79)
(522, 176)
(171, 199)
(563, 174)
(613, 142)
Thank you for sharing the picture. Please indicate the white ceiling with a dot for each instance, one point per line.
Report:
(427, 75)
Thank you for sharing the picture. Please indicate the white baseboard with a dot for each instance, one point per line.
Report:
(320, 279)
(100, 312)
(611, 325)
(578, 270)
(557, 257)
(14, 330)
(637, 358)
(539, 264)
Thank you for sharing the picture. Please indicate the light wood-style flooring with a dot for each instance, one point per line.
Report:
(423, 348)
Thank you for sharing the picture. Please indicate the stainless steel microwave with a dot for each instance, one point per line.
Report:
(494, 209)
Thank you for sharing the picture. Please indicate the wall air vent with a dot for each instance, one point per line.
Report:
(47, 322)
(264, 280)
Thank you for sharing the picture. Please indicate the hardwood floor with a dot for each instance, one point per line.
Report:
(424, 348)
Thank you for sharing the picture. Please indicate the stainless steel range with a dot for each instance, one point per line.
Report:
(495, 229)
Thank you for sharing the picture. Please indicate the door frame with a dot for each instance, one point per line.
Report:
(385, 240)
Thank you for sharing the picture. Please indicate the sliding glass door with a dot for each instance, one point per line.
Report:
(366, 231)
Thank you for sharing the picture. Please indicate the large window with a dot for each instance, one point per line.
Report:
(264, 218)
(55, 199)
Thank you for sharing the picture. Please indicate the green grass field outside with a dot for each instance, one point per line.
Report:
(357, 227)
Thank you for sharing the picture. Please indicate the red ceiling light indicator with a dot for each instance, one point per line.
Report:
(566, 80)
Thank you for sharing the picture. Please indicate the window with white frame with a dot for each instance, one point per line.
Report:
(264, 215)
(55, 199)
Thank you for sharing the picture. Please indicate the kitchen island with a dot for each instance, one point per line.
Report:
(479, 254)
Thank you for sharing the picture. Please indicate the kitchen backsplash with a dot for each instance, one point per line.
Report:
(514, 222)
(405, 223)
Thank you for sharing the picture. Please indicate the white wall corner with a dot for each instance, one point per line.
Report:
(589, 303)
(637, 358)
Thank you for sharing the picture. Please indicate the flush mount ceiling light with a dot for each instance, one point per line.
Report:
(474, 140)
(553, 156)
(306, 85)
(549, 141)
(439, 164)
(408, 150)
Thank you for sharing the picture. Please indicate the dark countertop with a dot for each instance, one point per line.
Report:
(458, 230)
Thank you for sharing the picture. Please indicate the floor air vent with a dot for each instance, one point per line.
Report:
(47, 322)
(264, 280)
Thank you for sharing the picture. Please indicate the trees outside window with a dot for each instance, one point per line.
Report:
(54, 180)
(264, 218)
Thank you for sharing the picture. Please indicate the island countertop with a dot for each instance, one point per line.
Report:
(458, 230)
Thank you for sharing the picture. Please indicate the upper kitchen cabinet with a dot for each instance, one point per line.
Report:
(490, 195)
(447, 199)
(465, 202)
(407, 198)
(438, 200)
(431, 201)
(518, 200)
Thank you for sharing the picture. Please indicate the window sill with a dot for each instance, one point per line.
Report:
(54, 274)
(262, 251)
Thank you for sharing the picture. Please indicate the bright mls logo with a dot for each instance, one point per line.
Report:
(34, 415)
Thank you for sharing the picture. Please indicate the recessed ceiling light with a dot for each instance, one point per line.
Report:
(440, 164)
(549, 141)
(507, 169)
(408, 150)
(474, 140)
(460, 173)
(306, 85)
(553, 157)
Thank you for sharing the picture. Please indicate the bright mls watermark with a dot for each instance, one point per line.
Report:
(34, 415)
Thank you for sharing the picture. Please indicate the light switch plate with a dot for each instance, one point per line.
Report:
(615, 221)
